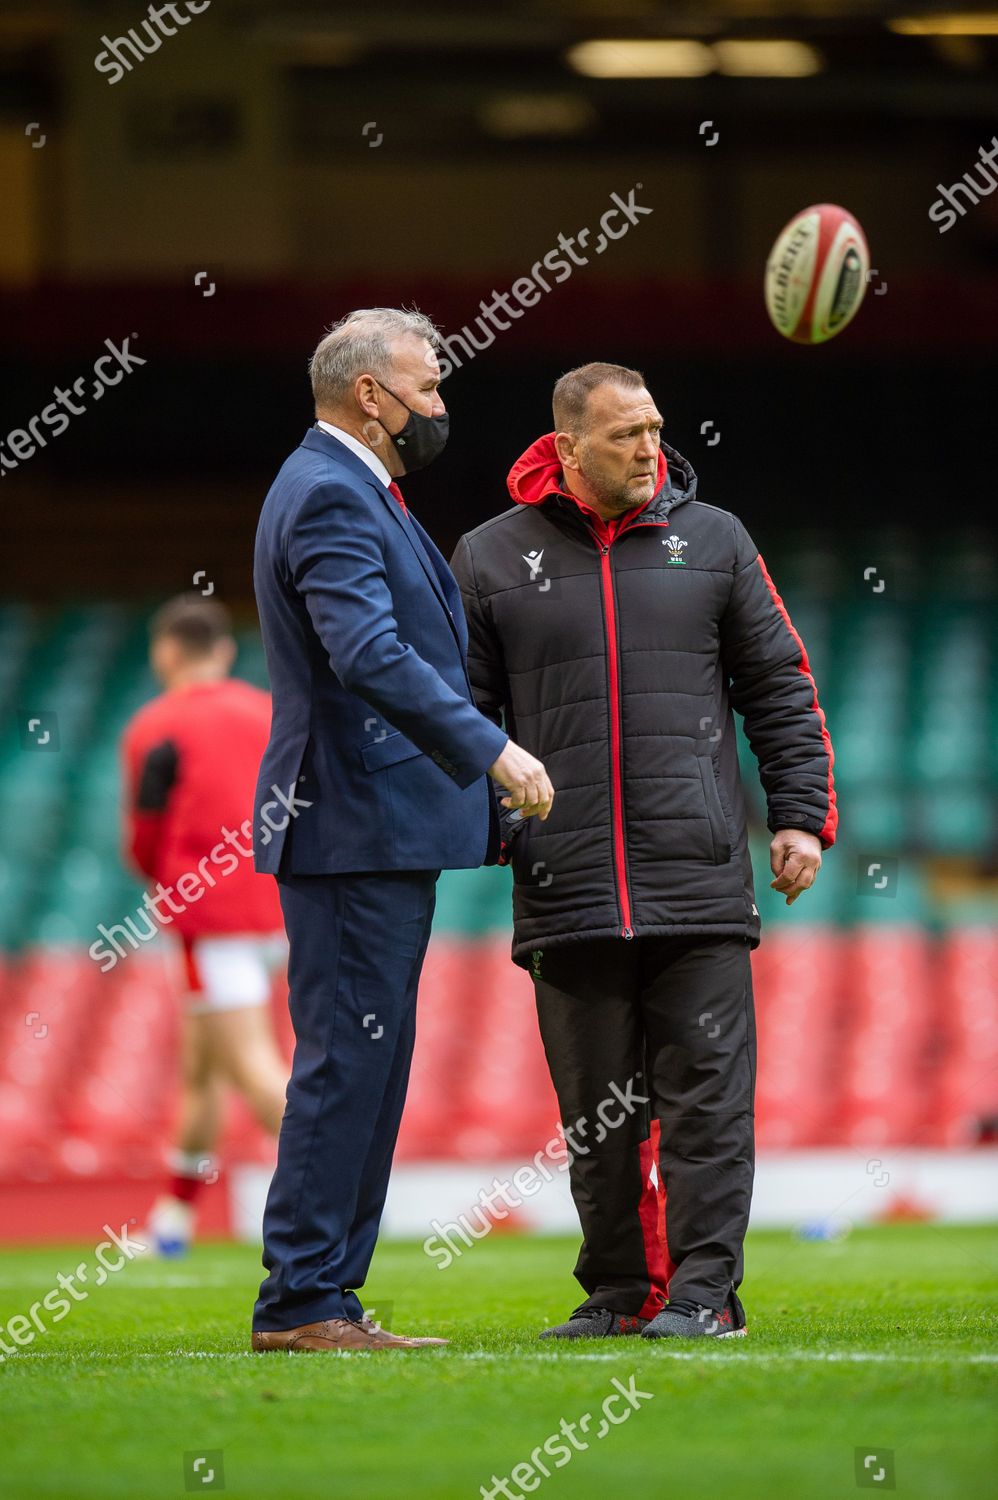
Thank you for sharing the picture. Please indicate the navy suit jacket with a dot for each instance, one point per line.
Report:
(374, 724)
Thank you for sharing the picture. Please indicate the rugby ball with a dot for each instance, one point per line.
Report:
(817, 274)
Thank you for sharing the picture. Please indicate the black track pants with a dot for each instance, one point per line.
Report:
(651, 1046)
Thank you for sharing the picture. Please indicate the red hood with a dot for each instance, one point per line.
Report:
(537, 473)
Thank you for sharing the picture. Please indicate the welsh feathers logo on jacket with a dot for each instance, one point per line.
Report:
(674, 547)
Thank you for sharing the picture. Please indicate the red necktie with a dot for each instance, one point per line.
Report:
(393, 489)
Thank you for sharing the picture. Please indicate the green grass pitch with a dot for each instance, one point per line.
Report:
(882, 1343)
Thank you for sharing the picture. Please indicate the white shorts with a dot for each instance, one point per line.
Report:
(230, 972)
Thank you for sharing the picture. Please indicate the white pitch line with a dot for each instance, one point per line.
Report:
(143, 1283)
(760, 1356)
(745, 1356)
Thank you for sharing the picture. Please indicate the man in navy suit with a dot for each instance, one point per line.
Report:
(373, 781)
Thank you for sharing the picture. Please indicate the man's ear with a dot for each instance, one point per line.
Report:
(227, 652)
(565, 446)
(365, 389)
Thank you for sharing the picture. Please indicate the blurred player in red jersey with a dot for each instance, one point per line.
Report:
(191, 758)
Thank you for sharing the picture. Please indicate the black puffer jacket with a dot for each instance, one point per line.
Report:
(618, 664)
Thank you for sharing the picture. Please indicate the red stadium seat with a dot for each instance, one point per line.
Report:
(122, 1095)
(966, 1078)
(797, 992)
(447, 1022)
(479, 1086)
(887, 1017)
(508, 1107)
(875, 1036)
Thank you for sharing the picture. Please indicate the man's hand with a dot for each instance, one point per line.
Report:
(526, 781)
(795, 859)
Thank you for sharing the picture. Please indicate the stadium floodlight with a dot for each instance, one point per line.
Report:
(641, 57)
(511, 116)
(956, 23)
(774, 58)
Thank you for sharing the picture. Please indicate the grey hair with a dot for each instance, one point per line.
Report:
(360, 344)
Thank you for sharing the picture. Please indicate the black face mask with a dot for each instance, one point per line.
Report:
(422, 439)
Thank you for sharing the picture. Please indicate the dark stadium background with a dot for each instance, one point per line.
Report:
(239, 150)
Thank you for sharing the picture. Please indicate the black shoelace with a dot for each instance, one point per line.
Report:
(683, 1306)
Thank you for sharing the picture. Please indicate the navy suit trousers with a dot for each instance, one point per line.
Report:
(357, 947)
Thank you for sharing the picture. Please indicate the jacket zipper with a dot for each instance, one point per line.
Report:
(616, 746)
(616, 754)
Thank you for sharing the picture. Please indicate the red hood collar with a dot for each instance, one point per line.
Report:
(537, 474)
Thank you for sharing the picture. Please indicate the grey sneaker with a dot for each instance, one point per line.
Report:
(690, 1320)
(595, 1323)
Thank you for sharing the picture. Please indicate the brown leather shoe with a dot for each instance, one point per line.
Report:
(334, 1334)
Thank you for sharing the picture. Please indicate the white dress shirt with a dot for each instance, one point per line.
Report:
(364, 453)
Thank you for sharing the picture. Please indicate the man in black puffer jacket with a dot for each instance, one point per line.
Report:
(615, 623)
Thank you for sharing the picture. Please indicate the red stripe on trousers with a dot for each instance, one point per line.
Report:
(195, 983)
(651, 1212)
(827, 834)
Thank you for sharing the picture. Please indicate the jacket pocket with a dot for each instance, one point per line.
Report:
(388, 752)
(719, 837)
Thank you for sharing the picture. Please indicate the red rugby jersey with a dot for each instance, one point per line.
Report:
(191, 758)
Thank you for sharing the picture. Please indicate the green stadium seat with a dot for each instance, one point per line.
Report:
(906, 677)
(471, 903)
(958, 820)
